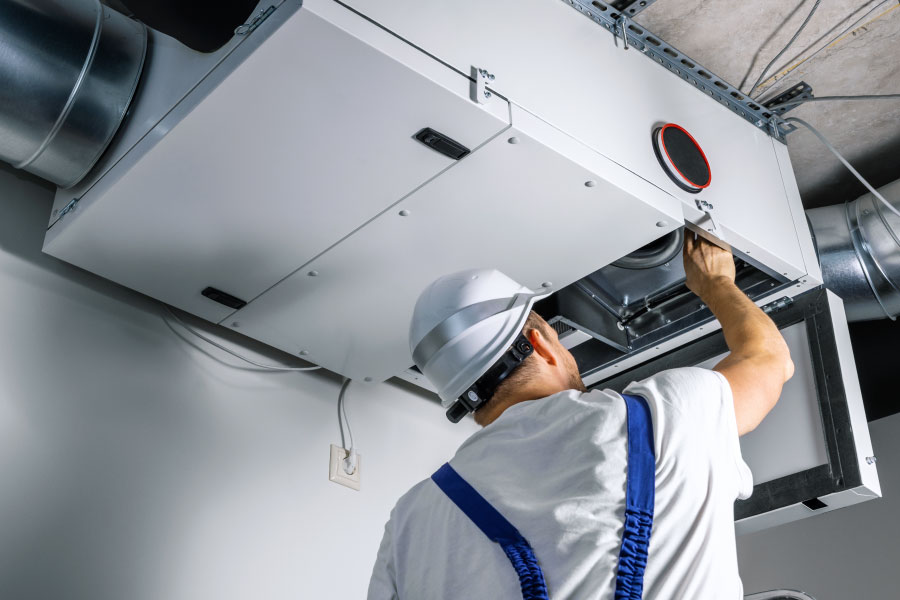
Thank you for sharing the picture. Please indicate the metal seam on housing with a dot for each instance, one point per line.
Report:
(853, 228)
(869, 252)
(70, 101)
(682, 65)
(879, 207)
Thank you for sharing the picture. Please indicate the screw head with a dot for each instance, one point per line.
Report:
(491, 76)
(590, 183)
(313, 273)
(662, 223)
(404, 213)
(487, 94)
(547, 284)
(304, 353)
(235, 324)
(367, 379)
(513, 140)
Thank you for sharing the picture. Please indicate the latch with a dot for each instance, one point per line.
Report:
(254, 22)
(481, 77)
(707, 209)
(777, 305)
(67, 208)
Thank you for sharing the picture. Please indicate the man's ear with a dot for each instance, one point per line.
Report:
(542, 346)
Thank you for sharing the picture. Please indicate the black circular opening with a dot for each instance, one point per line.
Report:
(654, 254)
(686, 156)
(681, 158)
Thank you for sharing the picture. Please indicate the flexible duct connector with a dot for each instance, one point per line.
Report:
(68, 71)
(859, 249)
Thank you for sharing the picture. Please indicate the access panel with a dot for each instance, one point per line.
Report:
(533, 203)
(813, 452)
(305, 141)
(555, 62)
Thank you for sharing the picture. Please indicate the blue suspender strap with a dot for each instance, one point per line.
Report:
(639, 498)
(497, 529)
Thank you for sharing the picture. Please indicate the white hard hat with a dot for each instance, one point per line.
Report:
(462, 325)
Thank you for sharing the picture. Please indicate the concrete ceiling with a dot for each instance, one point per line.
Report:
(737, 39)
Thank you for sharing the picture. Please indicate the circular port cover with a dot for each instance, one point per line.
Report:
(681, 158)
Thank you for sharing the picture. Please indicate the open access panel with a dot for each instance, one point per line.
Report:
(813, 452)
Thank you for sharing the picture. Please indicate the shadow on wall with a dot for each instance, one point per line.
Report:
(30, 198)
(878, 166)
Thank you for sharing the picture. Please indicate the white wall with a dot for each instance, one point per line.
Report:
(849, 553)
(135, 466)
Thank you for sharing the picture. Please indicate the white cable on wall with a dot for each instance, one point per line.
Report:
(232, 352)
(350, 461)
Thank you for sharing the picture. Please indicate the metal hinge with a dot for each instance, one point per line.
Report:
(481, 77)
(254, 22)
(67, 208)
(777, 305)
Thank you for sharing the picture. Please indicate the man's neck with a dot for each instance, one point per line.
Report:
(498, 405)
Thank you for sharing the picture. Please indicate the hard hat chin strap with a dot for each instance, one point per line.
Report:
(482, 390)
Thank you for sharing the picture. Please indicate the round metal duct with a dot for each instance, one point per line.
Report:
(656, 253)
(859, 249)
(68, 71)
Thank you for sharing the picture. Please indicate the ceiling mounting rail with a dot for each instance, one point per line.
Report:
(631, 7)
(613, 20)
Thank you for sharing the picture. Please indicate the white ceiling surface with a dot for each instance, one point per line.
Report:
(737, 39)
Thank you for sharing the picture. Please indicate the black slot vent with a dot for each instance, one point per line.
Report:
(441, 143)
(223, 298)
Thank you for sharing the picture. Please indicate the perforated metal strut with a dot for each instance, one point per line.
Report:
(707, 82)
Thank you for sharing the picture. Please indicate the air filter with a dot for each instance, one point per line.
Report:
(681, 158)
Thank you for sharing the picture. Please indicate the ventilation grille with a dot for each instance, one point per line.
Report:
(561, 328)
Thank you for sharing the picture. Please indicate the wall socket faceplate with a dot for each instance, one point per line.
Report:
(336, 471)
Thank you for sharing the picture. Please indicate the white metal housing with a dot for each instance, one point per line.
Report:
(283, 170)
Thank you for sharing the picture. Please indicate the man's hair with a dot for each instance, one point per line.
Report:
(528, 369)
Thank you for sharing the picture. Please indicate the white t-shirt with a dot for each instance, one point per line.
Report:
(555, 468)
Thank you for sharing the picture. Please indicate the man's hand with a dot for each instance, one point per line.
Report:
(759, 362)
(705, 264)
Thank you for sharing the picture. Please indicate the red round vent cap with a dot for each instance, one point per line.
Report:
(681, 157)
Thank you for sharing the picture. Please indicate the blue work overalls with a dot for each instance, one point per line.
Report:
(639, 497)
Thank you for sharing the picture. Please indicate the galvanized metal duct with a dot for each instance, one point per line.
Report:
(859, 249)
(68, 71)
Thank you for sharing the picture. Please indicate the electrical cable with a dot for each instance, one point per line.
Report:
(783, 50)
(343, 410)
(350, 460)
(232, 352)
(827, 44)
(835, 98)
(846, 164)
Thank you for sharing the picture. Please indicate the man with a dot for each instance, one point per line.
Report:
(556, 461)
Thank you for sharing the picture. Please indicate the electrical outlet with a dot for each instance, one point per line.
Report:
(336, 471)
